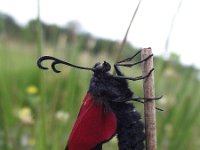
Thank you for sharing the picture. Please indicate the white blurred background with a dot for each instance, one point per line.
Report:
(155, 21)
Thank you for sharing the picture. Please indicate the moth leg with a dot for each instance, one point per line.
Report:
(134, 78)
(137, 99)
(121, 63)
(118, 72)
(144, 98)
(133, 64)
(130, 58)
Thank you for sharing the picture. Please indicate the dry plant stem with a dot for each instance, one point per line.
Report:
(127, 31)
(149, 105)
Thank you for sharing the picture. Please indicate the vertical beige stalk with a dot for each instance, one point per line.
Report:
(149, 105)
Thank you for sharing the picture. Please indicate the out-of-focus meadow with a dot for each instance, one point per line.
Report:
(38, 108)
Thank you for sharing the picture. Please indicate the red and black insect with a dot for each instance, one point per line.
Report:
(106, 110)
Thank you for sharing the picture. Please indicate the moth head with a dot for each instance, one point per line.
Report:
(102, 67)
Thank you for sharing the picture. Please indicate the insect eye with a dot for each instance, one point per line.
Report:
(106, 66)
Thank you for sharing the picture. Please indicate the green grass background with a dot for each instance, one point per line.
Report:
(55, 101)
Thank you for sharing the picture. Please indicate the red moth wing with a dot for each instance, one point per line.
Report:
(93, 126)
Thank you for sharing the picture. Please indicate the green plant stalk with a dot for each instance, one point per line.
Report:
(39, 32)
(5, 105)
(41, 121)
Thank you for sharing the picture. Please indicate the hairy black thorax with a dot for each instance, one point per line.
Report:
(108, 89)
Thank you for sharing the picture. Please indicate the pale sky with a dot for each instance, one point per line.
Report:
(110, 18)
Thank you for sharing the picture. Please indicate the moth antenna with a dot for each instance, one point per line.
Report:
(57, 61)
(53, 66)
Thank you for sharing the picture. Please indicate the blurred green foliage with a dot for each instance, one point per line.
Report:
(38, 108)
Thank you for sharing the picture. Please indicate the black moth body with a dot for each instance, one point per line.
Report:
(114, 94)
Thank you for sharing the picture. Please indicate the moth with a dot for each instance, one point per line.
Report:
(106, 110)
